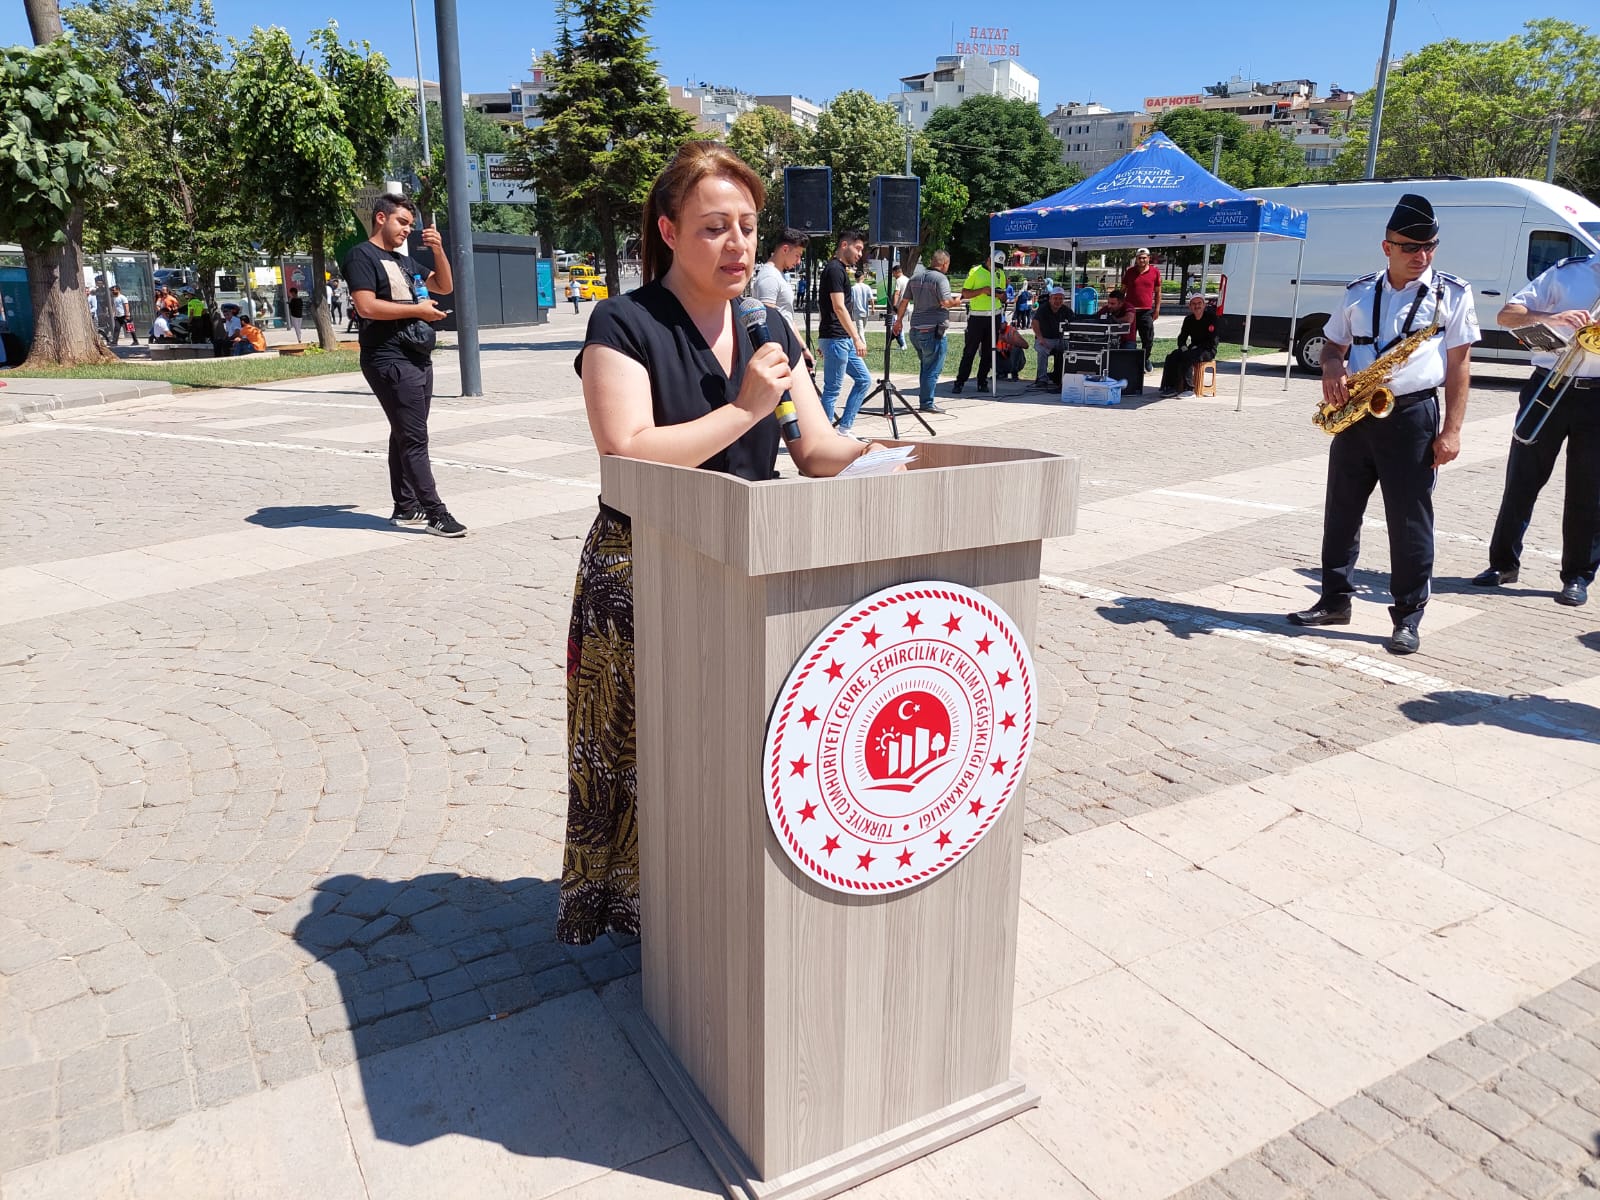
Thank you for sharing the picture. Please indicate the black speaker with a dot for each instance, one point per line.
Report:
(808, 199)
(1128, 366)
(896, 211)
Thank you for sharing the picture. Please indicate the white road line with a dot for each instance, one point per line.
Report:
(1301, 647)
(517, 472)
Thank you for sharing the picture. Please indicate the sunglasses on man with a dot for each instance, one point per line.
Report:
(1413, 247)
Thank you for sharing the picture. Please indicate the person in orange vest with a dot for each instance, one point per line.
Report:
(249, 339)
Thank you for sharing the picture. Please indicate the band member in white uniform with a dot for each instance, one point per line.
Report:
(1402, 453)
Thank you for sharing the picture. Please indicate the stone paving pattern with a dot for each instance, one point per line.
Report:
(256, 827)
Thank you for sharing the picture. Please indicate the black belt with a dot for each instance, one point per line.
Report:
(1582, 383)
(1408, 398)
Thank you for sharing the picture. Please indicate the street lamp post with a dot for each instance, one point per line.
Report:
(1377, 104)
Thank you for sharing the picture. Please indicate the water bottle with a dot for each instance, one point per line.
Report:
(420, 288)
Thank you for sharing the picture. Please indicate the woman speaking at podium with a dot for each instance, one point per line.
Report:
(669, 375)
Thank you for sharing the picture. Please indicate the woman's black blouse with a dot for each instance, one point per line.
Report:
(686, 381)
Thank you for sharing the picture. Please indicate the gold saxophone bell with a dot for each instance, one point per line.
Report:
(1381, 403)
(1367, 392)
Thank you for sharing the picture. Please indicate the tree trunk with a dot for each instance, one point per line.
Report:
(44, 20)
(327, 336)
(607, 222)
(64, 333)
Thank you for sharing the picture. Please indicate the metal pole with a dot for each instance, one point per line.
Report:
(1555, 144)
(455, 163)
(1216, 165)
(1294, 316)
(1249, 310)
(422, 96)
(994, 351)
(1377, 104)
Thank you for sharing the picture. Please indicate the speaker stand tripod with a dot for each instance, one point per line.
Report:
(893, 397)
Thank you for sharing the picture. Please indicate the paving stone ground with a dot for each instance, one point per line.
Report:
(302, 800)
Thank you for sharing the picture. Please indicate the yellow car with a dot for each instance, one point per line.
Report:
(589, 283)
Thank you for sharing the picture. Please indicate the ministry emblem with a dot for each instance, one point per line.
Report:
(899, 737)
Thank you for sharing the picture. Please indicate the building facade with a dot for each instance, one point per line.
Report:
(1092, 136)
(802, 111)
(1318, 125)
(955, 77)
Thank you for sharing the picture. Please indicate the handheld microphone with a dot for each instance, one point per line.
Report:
(753, 316)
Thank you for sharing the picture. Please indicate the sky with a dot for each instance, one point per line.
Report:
(1112, 53)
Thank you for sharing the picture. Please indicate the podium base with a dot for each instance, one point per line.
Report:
(837, 1172)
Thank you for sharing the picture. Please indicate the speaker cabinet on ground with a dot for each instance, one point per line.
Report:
(808, 199)
(1128, 366)
(896, 211)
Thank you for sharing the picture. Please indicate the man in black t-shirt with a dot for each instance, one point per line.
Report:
(397, 352)
(842, 343)
(297, 311)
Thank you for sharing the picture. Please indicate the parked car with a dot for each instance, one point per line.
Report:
(566, 260)
(590, 286)
(1495, 233)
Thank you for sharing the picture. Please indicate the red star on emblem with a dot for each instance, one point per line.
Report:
(834, 670)
(864, 861)
(998, 766)
(808, 717)
(808, 813)
(1010, 722)
(1002, 679)
(983, 645)
(829, 846)
(797, 766)
(904, 858)
(943, 839)
(871, 636)
(975, 807)
(913, 620)
(952, 624)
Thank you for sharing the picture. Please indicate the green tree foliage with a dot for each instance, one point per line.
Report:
(768, 141)
(608, 127)
(177, 190)
(1005, 154)
(1251, 158)
(59, 111)
(1487, 108)
(307, 139)
(484, 135)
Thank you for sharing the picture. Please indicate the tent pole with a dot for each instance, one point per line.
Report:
(1249, 310)
(1294, 314)
(994, 351)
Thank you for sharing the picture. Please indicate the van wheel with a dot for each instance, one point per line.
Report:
(1308, 352)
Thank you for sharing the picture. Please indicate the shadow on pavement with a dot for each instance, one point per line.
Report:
(445, 953)
(323, 516)
(1185, 621)
(1542, 716)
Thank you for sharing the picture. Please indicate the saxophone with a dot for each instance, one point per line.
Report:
(1368, 389)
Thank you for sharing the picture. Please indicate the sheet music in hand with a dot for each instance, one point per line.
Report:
(1540, 336)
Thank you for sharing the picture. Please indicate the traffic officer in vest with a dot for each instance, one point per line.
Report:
(983, 320)
(1402, 453)
(1563, 297)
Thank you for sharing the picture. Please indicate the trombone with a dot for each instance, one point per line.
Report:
(1584, 341)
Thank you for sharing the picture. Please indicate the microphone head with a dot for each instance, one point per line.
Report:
(751, 312)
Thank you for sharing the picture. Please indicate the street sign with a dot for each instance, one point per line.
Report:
(502, 187)
(474, 179)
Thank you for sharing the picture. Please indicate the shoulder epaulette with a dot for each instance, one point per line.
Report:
(1456, 280)
(1363, 279)
(1576, 258)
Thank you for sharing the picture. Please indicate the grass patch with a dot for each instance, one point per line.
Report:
(207, 372)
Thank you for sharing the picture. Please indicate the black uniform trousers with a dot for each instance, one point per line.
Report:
(406, 392)
(1395, 454)
(979, 341)
(1575, 421)
(1176, 371)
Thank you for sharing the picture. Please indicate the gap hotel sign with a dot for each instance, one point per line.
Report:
(1155, 104)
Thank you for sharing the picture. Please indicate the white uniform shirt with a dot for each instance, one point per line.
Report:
(1571, 283)
(1425, 369)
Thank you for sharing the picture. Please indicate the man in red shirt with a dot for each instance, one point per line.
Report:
(1141, 284)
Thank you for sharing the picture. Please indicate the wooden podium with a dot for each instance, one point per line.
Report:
(810, 1039)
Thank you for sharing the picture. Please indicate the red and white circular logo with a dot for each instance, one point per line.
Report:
(899, 737)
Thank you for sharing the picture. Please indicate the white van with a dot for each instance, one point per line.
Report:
(1495, 233)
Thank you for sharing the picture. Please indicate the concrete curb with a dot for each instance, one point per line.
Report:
(28, 399)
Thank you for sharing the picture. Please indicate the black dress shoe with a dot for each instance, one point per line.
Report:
(1573, 593)
(1321, 616)
(955, 388)
(1495, 578)
(1404, 640)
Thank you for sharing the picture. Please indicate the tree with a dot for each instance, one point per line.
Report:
(768, 141)
(1251, 158)
(58, 123)
(484, 135)
(1004, 152)
(306, 140)
(858, 137)
(177, 189)
(607, 127)
(1488, 108)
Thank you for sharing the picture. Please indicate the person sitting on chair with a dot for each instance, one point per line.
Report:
(1197, 343)
(1011, 352)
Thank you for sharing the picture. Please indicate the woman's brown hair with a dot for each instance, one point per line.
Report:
(695, 161)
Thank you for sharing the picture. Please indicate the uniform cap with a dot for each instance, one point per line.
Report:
(1000, 257)
(1413, 218)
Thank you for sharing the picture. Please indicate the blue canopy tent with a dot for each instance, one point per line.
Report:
(1155, 195)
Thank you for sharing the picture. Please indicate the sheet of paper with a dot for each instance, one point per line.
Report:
(878, 462)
